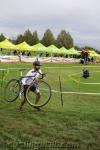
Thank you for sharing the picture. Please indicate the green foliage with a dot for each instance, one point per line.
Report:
(48, 38)
(19, 39)
(97, 51)
(64, 39)
(78, 48)
(2, 37)
(28, 37)
(35, 38)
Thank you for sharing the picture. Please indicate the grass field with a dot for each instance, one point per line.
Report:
(76, 125)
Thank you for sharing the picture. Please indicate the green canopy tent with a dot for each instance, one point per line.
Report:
(95, 55)
(64, 50)
(6, 44)
(53, 49)
(23, 47)
(50, 49)
(38, 48)
(72, 51)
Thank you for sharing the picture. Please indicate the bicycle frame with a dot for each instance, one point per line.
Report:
(22, 77)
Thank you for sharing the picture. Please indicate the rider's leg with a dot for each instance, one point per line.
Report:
(23, 102)
(37, 93)
(37, 98)
(24, 97)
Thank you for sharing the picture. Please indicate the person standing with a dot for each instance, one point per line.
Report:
(86, 56)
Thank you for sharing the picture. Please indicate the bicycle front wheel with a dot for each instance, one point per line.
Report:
(12, 90)
(45, 94)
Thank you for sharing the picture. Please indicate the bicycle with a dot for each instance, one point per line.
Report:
(14, 89)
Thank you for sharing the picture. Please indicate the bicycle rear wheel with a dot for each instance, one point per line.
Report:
(12, 90)
(45, 92)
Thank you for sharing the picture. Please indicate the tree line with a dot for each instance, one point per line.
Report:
(63, 39)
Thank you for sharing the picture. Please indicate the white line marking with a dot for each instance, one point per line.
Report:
(58, 67)
(79, 93)
(95, 83)
(74, 66)
(17, 68)
(3, 69)
(83, 82)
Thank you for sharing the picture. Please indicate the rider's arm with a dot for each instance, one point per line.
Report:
(38, 74)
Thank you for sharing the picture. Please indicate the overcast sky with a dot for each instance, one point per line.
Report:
(81, 18)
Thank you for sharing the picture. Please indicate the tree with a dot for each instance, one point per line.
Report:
(35, 38)
(78, 48)
(2, 37)
(48, 38)
(28, 37)
(19, 39)
(64, 39)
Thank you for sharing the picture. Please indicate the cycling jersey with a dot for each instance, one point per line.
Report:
(34, 76)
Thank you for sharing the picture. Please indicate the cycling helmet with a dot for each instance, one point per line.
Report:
(36, 63)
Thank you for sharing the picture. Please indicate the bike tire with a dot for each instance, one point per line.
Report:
(45, 91)
(12, 90)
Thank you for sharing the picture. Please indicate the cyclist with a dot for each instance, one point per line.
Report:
(34, 75)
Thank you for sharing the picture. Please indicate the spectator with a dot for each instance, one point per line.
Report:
(92, 59)
(85, 55)
(86, 73)
(15, 52)
(23, 53)
(28, 54)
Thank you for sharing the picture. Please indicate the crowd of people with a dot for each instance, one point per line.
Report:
(23, 53)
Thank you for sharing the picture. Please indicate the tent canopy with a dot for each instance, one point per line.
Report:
(64, 50)
(23, 47)
(53, 49)
(72, 51)
(93, 53)
(39, 48)
(6, 44)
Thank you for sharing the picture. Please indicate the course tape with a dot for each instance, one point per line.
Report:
(79, 93)
(67, 92)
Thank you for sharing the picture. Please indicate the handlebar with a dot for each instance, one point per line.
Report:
(42, 76)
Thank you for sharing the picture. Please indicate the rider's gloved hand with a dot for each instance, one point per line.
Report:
(43, 75)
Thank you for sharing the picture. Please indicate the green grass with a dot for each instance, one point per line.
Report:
(76, 124)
